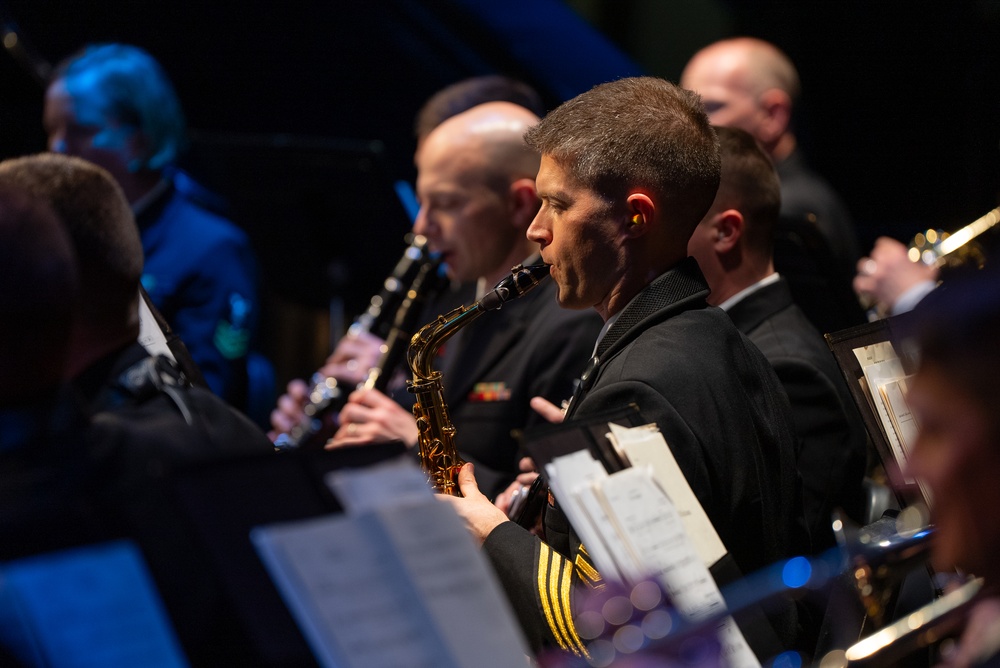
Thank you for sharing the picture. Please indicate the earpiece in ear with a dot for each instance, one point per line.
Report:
(637, 219)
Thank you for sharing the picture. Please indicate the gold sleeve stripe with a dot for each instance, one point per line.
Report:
(544, 559)
(587, 572)
(554, 586)
(567, 585)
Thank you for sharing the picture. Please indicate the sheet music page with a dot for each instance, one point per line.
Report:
(401, 585)
(904, 422)
(387, 484)
(625, 561)
(880, 365)
(646, 446)
(570, 476)
(456, 585)
(96, 605)
(646, 518)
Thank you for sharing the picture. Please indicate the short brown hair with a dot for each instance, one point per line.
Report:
(468, 93)
(637, 132)
(100, 224)
(38, 283)
(750, 184)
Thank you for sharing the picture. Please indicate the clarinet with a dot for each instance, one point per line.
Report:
(391, 316)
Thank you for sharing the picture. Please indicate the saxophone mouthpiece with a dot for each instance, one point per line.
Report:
(521, 280)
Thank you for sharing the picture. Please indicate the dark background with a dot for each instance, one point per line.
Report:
(301, 114)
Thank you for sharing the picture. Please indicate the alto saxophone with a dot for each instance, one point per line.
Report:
(435, 432)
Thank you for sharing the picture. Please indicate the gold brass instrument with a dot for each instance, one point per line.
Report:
(435, 432)
(940, 249)
(936, 621)
(878, 557)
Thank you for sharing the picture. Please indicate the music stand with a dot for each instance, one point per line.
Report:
(843, 345)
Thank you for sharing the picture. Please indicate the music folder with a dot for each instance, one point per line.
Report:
(630, 504)
(226, 501)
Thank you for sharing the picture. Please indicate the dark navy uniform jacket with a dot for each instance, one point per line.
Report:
(200, 272)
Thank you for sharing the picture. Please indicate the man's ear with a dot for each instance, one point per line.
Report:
(524, 202)
(137, 148)
(641, 214)
(777, 106)
(727, 229)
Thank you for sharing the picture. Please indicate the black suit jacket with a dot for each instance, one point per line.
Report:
(493, 367)
(725, 418)
(135, 439)
(833, 443)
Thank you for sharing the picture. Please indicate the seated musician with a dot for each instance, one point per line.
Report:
(476, 187)
(628, 170)
(954, 396)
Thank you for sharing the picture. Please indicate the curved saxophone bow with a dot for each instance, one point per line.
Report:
(435, 432)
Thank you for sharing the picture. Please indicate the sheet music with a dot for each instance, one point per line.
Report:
(881, 366)
(569, 477)
(903, 422)
(646, 446)
(645, 518)
(379, 486)
(400, 585)
(91, 606)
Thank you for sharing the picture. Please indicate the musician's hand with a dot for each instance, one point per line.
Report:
(979, 636)
(547, 410)
(371, 417)
(480, 516)
(288, 412)
(520, 484)
(888, 273)
(354, 355)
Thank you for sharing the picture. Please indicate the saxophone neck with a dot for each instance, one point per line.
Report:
(521, 280)
(426, 342)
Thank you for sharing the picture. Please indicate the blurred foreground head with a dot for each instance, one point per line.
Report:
(95, 213)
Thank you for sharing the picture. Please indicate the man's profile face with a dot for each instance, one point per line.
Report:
(579, 235)
(722, 81)
(957, 456)
(462, 213)
(76, 126)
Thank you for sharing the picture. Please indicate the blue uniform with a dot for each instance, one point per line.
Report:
(200, 273)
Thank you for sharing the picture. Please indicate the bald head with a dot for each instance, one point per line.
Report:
(476, 185)
(749, 84)
(759, 65)
(494, 131)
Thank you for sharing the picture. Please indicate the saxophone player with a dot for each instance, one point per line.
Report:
(627, 171)
(476, 188)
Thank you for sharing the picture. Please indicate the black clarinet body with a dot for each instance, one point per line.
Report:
(391, 316)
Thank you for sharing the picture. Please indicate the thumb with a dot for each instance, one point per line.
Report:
(467, 480)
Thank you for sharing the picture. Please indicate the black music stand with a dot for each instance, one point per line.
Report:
(842, 344)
